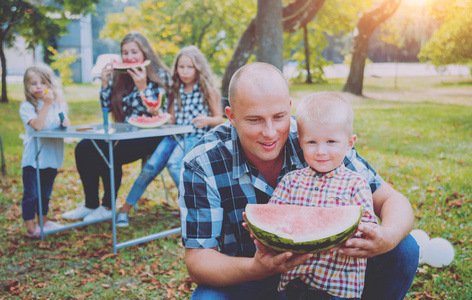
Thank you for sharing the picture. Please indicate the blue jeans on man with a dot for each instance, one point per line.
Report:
(388, 277)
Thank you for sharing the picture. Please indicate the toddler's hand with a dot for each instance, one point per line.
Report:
(66, 122)
(48, 96)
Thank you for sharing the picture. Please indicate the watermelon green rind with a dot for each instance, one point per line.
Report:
(159, 121)
(282, 244)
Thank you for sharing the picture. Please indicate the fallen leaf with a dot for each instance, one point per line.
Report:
(108, 256)
(83, 296)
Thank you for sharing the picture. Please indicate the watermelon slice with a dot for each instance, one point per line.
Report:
(302, 229)
(149, 122)
(154, 104)
(123, 67)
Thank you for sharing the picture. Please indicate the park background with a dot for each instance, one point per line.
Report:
(412, 105)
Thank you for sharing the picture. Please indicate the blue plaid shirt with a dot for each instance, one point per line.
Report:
(217, 183)
(133, 105)
(191, 106)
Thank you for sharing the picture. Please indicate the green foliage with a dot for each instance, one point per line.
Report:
(61, 62)
(36, 21)
(334, 18)
(451, 43)
(213, 26)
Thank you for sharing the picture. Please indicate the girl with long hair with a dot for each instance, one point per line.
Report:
(194, 101)
(123, 94)
(44, 103)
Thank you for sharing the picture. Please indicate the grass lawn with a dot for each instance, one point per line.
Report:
(418, 137)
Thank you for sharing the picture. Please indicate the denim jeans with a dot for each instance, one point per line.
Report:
(388, 276)
(253, 290)
(29, 203)
(298, 290)
(152, 168)
(174, 164)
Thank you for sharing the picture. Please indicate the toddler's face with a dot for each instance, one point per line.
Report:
(37, 86)
(324, 146)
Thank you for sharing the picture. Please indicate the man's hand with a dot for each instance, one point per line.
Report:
(376, 241)
(267, 260)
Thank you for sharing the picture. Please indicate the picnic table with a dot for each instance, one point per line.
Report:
(110, 133)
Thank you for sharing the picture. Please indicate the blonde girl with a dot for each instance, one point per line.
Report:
(194, 101)
(44, 102)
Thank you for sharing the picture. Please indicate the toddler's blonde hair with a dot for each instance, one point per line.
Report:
(323, 108)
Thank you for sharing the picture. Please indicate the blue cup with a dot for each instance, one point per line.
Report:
(105, 111)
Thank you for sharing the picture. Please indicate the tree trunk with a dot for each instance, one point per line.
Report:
(269, 33)
(4, 75)
(368, 22)
(4, 165)
(241, 54)
(294, 16)
(307, 55)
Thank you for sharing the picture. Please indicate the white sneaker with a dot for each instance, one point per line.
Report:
(50, 225)
(78, 213)
(101, 213)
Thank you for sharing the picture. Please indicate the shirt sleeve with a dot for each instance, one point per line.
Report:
(200, 209)
(361, 195)
(357, 163)
(27, 113)
(105, 95)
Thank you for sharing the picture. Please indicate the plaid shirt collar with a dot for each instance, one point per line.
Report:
(329, 174)
(240, 167)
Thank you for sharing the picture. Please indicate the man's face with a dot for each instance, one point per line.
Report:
(262, 119)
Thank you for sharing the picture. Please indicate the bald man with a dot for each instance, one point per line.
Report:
(241, 162)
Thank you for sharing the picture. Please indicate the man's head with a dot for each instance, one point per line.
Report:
(260, 107)
(325, 122)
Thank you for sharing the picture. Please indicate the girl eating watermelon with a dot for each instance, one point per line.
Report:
(122, 92)
(194, 101)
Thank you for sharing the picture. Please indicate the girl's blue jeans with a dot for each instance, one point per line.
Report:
(167, 153)
(29, 203)
(388, 277)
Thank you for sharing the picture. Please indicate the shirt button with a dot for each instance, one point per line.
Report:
(317, 188)
(266, 187)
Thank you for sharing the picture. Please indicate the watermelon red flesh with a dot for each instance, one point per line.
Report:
(124, 66)
(302, 229)
(153, 104)
(149, 122)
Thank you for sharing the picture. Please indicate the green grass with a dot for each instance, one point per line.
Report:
(418, 137)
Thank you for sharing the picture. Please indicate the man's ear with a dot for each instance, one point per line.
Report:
(352, 141)
(229, 114)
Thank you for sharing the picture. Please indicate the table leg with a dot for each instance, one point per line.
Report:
(38, 179)
(113, 196)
